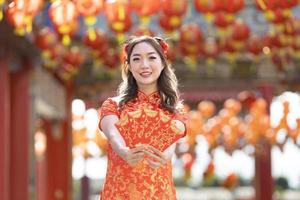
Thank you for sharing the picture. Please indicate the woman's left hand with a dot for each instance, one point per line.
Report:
(155, 158)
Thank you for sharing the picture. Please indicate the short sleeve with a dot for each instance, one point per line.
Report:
(181, 115)
(108, 107)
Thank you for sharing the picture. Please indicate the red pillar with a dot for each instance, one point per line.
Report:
(263, 169)
(4, 129)
(59, 156)
(19, 139)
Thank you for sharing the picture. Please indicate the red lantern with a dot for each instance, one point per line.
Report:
(191, 33)
(210, 50)
(99, 42)
(240, 31)
(255, 45)
(288, 3)
(89, 7)
(73, 57)
(112, 59)
(16, 17)
(174, 7)
(146, 8)
(63, 15)
(45, 38)
(207, 7)
(118, 16)
(168, 23)
(222, 20)
(233, 6)
(21, 13)
(279, 16)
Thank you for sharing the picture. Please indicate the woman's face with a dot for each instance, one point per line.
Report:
(145, 65)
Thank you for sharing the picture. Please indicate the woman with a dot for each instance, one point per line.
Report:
(140, 167)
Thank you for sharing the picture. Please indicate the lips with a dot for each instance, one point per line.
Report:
(145, 74)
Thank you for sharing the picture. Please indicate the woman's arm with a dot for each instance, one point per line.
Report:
(131, 156)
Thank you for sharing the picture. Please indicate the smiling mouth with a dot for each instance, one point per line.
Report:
(145, 74)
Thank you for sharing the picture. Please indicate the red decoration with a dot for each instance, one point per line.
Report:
(233, 6)
(118, 15)
(63, 15)
(168, 23)
(100, 41)
(222, 20)
(89, 7)
(174, 7)
(45, 38)
(146, 8)
(206, 6)
(20, 14)
(255, 45)
(240, 31)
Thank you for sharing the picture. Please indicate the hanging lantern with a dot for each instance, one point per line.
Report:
(169, 23)
(112, 59)
(16, 17)
(190, 39)
(207, 7)
(210, 50)
(174, 7)
(100, 41)
(191, 33)
(89, 9)
(118, 16)
(145, 9)
(45, 38)
(20, 14)
(240, 31)
(254, 45)
(63, 15)
(233, 6)
(222, 22)
(73, 57)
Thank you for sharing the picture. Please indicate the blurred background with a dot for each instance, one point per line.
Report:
(238, 65)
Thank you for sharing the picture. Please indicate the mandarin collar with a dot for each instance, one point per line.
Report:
(152, 98)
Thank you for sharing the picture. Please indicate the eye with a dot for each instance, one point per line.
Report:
(135, 59)
(152, 57)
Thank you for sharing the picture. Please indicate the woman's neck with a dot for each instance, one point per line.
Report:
(147, 90)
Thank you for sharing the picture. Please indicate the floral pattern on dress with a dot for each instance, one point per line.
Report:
(158, 129)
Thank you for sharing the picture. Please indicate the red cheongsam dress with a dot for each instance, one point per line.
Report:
(141, 121)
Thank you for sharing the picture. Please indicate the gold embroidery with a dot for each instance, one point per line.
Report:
(158, 129)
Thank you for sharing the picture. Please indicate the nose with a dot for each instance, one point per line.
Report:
(145, 63)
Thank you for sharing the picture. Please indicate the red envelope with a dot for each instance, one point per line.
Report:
(147, 126)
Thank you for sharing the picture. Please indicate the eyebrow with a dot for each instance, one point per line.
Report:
(137, 54)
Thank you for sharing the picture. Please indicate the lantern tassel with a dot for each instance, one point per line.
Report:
(92, 34)
(1, 14)
(66, 40)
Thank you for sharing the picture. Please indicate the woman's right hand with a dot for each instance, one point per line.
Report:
(134, 155)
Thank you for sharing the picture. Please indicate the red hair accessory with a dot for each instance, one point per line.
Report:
(126, 48)
(163, 44)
